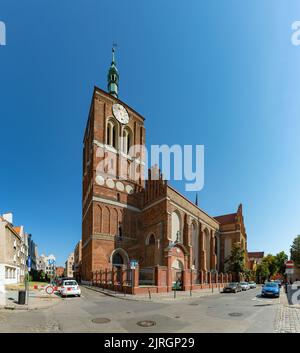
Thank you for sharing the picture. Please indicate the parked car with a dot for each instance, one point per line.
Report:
(245, 285)
(60, 280)
(69, 287)
(232, 287)
(252, 284)
(270, 289)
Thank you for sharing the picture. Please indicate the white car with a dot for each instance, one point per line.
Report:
(245, 285)
(252, 284)
(69, 287)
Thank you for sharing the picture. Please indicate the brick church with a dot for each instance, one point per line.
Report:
(125, 217)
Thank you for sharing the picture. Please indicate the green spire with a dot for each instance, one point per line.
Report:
(113, 77)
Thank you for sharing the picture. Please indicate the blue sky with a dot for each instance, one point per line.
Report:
(220, 73)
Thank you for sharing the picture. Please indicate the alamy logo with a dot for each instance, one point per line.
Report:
(295, 38)
(188, 164)
(2, 33)
(295, 299)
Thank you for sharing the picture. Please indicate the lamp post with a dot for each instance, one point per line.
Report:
(191, 280)
(28, 267)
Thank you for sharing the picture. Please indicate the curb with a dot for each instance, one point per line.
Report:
(109, 294)
(26, 308)
(137, 299)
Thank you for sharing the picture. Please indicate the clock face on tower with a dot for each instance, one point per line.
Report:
(120, 113)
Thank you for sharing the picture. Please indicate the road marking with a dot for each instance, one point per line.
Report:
(266, 300)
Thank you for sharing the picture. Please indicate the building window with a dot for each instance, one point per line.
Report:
(151, 240)
(176, 227)
(112, 134)
(195, 246)
(126, 140)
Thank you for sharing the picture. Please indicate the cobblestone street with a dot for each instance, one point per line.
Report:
(287, 319)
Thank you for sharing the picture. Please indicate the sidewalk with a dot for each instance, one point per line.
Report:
(170, 297)
(37, 300)
(288, 316)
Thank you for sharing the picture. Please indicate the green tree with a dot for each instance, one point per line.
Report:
(41, 276)
(280, 260)
(262, 272)
(295, 251)
(236, 260)
(249, 274)
(270, 261)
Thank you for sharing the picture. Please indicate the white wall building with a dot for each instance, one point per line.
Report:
(13, 251)
(46, 264)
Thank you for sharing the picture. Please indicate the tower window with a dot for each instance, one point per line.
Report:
(111, 134)
(127, 140)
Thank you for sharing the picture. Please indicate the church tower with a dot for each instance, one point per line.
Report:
(113, 169)
(113, 77)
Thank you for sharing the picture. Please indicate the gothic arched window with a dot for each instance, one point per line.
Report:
(176, 227)
(127, 140)
(195, 245)
(152, 239)
(112, 134)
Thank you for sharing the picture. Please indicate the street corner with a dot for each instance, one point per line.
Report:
(35, 300)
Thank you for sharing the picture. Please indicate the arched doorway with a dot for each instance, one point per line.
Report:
(117, 260)
(119, 257)
(177, 271)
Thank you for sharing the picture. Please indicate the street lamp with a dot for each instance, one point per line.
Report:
(28, 263)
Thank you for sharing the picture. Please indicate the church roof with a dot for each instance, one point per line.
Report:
(256, 254)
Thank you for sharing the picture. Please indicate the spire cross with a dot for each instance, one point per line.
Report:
(114, 46)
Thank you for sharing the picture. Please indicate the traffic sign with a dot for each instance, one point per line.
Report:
(49, 290)
(289, 264)
(29, 263)
(133, 264)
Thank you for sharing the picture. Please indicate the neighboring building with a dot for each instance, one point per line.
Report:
(69, 266)
(255, 258)
(46, 264)
(23, 255)
(40, 263)
(32, 252)
(77, 261)
(60, 271)
(13, 250)
(231, 231)
(125, 218)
